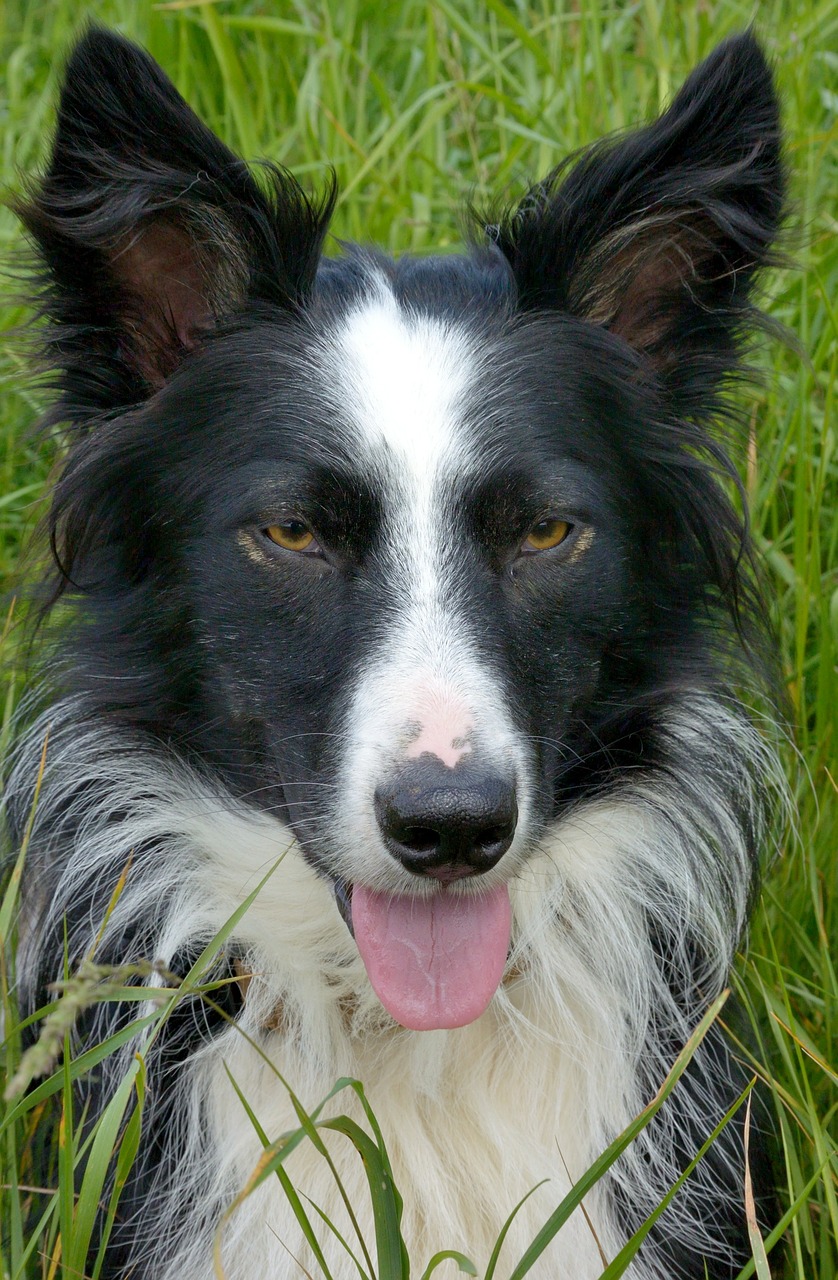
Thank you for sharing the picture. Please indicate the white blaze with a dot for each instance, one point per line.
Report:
(404, 379)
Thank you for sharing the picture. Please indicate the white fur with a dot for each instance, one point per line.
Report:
(474, 1117)
(403, 380)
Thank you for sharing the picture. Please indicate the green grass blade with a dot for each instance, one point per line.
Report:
(776, 1234)
(758, 1249)
(236, 92)
(128, 1148)
(66, 1161)
(386, 1201)
(96, 1172)
(363, 1275)
(504, 1231)
(464, 1264)
(286, 1183)
(613, 1152)
(617, 1266)
(278, 1151)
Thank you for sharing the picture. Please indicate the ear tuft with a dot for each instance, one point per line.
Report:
(150, 229)
(658, 235)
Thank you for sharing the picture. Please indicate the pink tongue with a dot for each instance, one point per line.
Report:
(433, 962)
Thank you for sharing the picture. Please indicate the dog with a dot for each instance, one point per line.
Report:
(410, 593)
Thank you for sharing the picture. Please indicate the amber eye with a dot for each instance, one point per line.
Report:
(292, 535)
(546, 534)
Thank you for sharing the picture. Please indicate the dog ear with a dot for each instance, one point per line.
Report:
(657, 235)
(150, 230)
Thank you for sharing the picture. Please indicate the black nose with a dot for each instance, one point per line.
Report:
(446, 824)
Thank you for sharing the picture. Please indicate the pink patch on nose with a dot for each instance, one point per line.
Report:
(447, 739)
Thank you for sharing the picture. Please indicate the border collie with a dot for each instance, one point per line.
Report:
(418, 585)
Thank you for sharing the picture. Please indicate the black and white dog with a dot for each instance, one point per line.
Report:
(423, 574)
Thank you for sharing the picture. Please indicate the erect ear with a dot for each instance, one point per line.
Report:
(150, 229)
(657, 235)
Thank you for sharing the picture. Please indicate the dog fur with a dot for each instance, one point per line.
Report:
(222, 710)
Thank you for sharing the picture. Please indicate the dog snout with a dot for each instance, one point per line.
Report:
(447, 827)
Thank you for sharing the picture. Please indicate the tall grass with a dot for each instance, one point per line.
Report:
(421, 106)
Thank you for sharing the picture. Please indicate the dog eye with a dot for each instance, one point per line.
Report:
(291, 535)
(546, 534)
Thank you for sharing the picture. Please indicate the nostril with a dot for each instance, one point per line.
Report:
(419, 839)
(491, 837)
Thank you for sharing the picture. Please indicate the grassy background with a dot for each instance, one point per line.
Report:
(421, 106)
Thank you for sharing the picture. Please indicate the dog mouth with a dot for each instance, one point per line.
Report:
(436, 961)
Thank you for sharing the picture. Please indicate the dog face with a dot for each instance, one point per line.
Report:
(407, 552)
(387, 589)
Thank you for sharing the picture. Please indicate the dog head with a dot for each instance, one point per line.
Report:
(410, 552)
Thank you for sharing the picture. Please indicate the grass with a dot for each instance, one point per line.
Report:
(421, 106)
